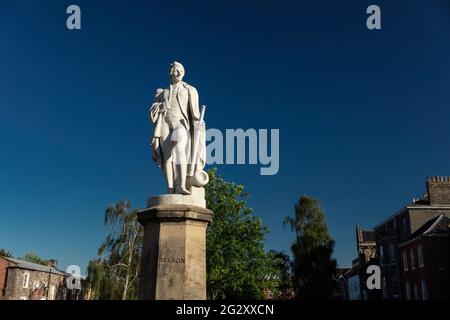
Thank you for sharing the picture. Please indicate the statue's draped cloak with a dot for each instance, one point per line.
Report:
(188, 101)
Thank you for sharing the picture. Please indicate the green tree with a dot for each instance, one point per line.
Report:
(5, 253)
(33, 257)
(314, 268)
(114, 274)
(237, 265)
(283, 264)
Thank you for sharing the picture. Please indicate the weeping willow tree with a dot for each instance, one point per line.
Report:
(237, 265)
(114, 274)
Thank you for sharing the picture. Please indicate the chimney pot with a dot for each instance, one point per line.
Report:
(52, 263)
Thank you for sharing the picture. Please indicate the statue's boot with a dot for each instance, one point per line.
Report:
(184, 191)
(182, 188)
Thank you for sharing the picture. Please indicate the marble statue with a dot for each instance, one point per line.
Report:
(179, 139)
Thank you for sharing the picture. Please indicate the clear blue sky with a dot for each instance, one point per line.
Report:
(363, 115)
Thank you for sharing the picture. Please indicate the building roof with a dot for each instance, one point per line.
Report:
(367, 235)
(412, 206)
(341, 272)
(437, 225)
(421, 203)
(354, 270)
(34, 266)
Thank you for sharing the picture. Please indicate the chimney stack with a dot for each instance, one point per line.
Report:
(438, 190)
(52, 263)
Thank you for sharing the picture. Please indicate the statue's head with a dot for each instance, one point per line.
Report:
(176, 72)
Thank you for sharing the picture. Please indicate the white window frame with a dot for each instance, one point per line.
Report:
(405, 260)
(25, 280)
(413, 259)
(392, 255)
(423, 287)
(52, 292)
(382, 255)
(420, 255)
(408, 290)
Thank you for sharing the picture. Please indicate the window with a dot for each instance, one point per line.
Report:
(423, 286)
(416, 292)
(52, 292)
(404, 224)
(391, 252)
(26, 280)
(381, 255)
(35, 285)
(408, 290)
(395, 287)
(384, 287)
(420, 255)
(413, 259)
(405, 260)
(23, 298)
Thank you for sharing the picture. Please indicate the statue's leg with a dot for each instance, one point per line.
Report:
(181, 159)
(168, 173)
(167, 147)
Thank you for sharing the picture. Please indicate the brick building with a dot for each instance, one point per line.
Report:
(353, 281)
(398, 229)
(23, 280)
(342, 289)
(357, 276)
(425, 261)
(367, 256)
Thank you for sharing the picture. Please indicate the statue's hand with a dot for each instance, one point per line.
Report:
(162, 108)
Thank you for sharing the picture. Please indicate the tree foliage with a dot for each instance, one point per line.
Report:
(314, 268)
(114, 274)
(237, 265)
(282, 262)
(5, 253)
(33, 257)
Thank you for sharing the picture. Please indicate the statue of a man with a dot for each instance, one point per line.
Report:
(178, 140)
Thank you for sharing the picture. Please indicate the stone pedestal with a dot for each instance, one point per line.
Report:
(173, 265)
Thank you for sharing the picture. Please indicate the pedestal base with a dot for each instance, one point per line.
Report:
(196, 198)
(173, 264)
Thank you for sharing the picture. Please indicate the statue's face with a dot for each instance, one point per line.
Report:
(176, 74)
